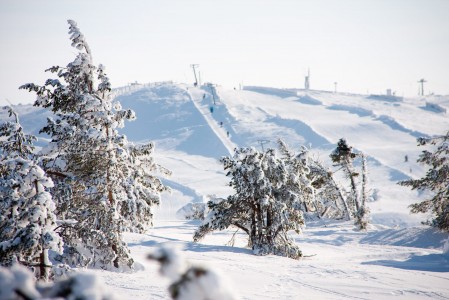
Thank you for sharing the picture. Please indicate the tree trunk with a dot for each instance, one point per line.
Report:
(43, 255)
(116, 260)
(342, 198)
(269, 230)
(364, 182)
(253, 227)
(108, 175)
(260, 223)
(354, 193)
(42, 265)
(306, 208)
(269, 216)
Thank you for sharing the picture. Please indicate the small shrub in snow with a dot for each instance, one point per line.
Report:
(77, 286)
(189, 282)
(18, 283)
(192, 211)
(196, 211)
(436, 180)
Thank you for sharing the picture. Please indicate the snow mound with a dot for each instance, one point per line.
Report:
(387, 98)
(434, 107)
(192, 211)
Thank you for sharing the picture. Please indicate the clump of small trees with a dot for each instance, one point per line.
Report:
(274, 190)
(343, 157)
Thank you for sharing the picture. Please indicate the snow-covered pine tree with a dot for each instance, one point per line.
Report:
(143, 187)
(104, 184)
(298, 178)
(313, 182)
(328, 192)
(27, 219)
(363, 213)
(343, 157)
(264, 205)
(436, 180)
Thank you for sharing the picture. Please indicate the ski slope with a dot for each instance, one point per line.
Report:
(199, 120)
(193, 127)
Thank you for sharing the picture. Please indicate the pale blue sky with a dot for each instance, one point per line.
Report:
(364, 45)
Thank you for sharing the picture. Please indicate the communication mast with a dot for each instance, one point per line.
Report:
(194, 66)
(307, 81)
(335, 89)
(422, 85)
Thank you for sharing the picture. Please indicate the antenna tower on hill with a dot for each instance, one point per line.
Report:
(422, 85)
(307, 81)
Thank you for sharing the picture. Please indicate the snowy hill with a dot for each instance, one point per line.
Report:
(193, 127)
(196, 122)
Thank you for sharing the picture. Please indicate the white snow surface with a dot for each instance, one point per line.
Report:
(396, 258)
(340, 263)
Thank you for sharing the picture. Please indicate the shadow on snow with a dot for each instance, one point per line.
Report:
(431, 263)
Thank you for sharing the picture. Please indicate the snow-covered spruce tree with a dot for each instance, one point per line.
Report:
(104, 184)
(27, 219)
(328, 193)
(298, 175)
(436, 180)
(143, 187)
(264, 205)
(308, 178)
(343, 157)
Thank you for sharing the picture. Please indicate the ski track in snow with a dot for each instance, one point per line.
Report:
(206, 113)
(326, 291)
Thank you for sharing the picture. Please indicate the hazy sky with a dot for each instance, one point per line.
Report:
(364, 45)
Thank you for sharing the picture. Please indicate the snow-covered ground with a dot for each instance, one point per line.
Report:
(342, 264)
(193, 127)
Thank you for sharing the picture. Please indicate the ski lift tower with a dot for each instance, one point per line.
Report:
(194, 66)
(263, 142)
(422, 85)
